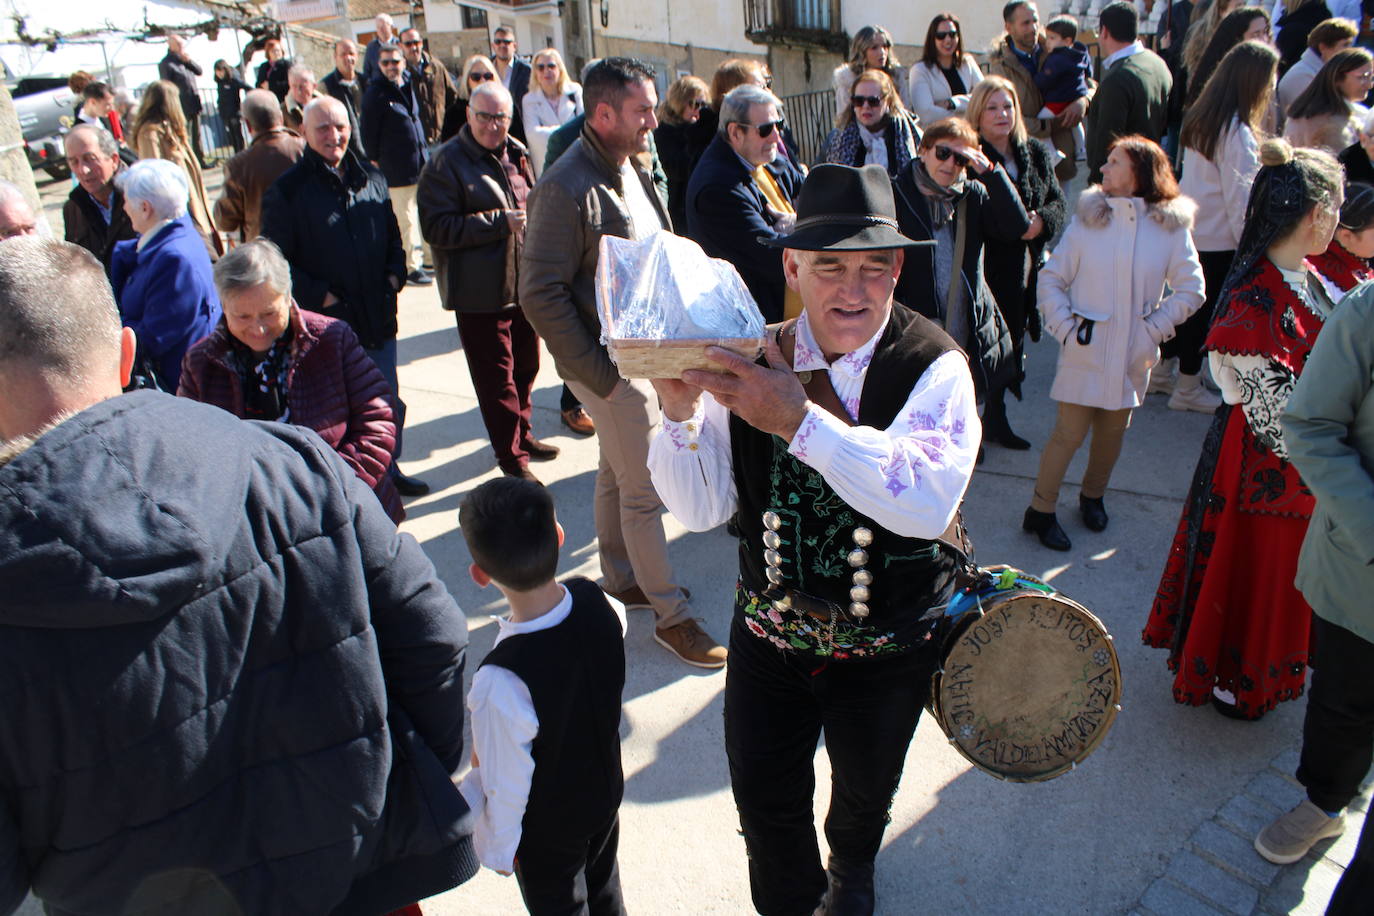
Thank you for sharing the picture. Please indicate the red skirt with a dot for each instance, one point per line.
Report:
(1226, 607)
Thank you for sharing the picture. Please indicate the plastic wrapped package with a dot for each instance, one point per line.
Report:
(662, 301)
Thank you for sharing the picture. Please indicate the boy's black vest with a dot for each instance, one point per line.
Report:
(909, 574)
(575, 673)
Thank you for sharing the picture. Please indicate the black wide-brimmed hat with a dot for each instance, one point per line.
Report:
(841, 208)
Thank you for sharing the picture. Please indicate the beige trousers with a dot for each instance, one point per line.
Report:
(1070, 429)
(408, 218)
(629, 524)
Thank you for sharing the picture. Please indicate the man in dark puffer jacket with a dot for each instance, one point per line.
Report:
(229, 685)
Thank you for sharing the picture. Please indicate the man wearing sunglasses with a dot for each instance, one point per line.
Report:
(845, 456)
(394, 136)
(740, 196)
(513, 73)
(602, 186)
(435, 90)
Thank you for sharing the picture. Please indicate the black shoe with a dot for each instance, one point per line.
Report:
(541, 451)
(1094, 513)
(1046, 525)
(999, 431)
(523, 473)
(851, 890)
(419, 278)
(409, 486)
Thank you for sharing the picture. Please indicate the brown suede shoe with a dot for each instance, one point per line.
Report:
(579, 421)
(523, 473)
(541, 451)
(689, 642)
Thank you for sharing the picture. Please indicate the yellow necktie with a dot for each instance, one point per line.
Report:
(768, 187)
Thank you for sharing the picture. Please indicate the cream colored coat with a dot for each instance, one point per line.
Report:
(1112, 265)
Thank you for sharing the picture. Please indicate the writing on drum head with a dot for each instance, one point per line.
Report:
(1028, 689)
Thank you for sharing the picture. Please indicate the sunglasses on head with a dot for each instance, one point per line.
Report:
(942, 153)
(765, 129)
(481, 76)
(867, 101)
(941, 36)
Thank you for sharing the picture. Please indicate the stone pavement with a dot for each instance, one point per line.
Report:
(1154, 822)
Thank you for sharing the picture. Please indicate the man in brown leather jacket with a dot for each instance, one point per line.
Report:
(471, 200)
(598, 188)
(250, 173)
(435, 91)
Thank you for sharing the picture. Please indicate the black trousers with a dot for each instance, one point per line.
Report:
(1188, 339)
(571, 876)
(1338, 732)
(1355, 891)
(777, 705)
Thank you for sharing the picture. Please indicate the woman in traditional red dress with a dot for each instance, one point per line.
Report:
(1226, 608)
(1345, 263)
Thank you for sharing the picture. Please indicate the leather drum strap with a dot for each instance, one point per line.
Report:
(818, 388)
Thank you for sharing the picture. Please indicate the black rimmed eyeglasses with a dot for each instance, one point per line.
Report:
(499, 117)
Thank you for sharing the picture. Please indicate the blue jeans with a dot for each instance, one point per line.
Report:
(385, 358)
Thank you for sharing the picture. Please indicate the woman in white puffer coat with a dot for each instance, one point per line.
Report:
(1102, 295)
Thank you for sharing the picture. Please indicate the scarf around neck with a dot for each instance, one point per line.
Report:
(942, 200)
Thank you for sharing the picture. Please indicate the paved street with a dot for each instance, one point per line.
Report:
(1158, 821)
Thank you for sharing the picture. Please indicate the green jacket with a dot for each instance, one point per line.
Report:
(1329, 430)
(1132, 98)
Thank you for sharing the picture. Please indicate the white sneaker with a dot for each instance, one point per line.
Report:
(1162, 377)
(1189, 394)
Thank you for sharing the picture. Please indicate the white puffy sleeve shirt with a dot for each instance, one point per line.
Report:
(909, 477)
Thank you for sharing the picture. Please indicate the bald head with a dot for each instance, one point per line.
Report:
(61, 347)
(16, 215)
(325, 122)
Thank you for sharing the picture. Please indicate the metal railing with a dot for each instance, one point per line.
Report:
(810, 115)
(807, 23)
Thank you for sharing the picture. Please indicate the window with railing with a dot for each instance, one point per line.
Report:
(806, 23)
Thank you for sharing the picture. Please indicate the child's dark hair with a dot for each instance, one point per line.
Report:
(1066, 27)
(511, 532)
(1357, 213)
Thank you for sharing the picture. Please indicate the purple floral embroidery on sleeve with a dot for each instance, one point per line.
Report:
(807, 428)
(892, 471)
(851, 407)
(677, 433)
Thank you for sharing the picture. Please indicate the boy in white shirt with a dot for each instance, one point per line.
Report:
(546, 779)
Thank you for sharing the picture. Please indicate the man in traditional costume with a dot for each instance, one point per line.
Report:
(846, 455)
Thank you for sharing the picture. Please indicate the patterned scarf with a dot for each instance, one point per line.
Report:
(906, 138)
(942, 200)
(265, 379)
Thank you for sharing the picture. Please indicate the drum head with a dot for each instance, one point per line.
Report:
(1028, 688)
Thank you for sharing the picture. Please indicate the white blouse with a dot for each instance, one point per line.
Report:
(542, 116)
(909, 477)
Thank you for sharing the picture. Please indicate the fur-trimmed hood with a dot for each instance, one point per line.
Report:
(1095, 210)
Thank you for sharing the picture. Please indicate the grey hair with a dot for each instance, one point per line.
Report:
(301, 70)
(260, 109)
(734, 108)
(159, 183)
(103, 138)
(493, 88)
(57, 313)
(383, 17)
(11, 193)
(251, 265)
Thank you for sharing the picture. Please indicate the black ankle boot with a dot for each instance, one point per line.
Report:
(851, 889)
(1094, 513)
(995, 425)
(1046, 525)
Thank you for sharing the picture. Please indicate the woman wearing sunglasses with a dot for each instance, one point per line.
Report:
(1103, 295)
(1013, 264)
(477, 70)
(553, 100)
(876, 128)
(937, 201)
(942, 79)
(682, 136)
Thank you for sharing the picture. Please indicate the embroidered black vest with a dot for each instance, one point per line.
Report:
(817, 531)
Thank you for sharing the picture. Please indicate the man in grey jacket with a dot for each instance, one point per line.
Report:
(1328, 428)
(599, 188)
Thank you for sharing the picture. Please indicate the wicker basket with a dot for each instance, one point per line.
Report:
(668, 358)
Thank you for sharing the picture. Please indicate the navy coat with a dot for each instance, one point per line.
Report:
(339, 237)
(166, 293)
(728, 217)
(393, 132)
(232, 686)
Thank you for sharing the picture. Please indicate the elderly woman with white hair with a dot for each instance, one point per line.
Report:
(162, 280)
(269, 359)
